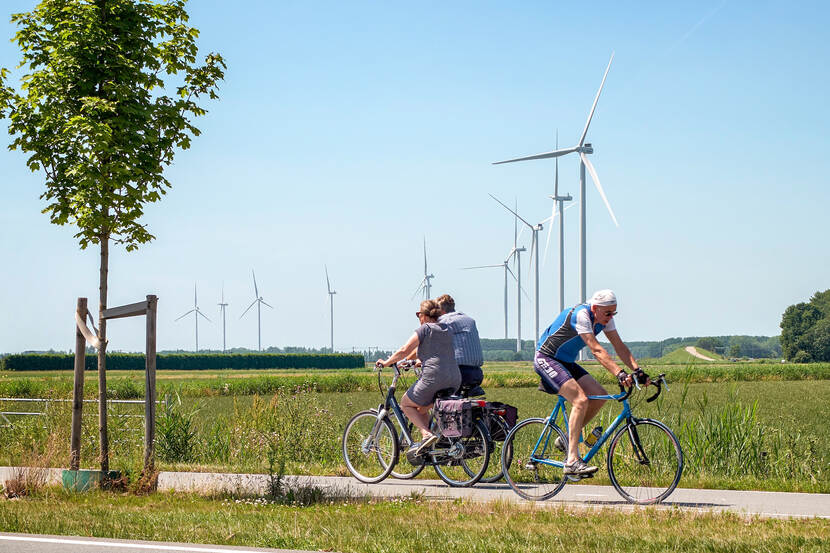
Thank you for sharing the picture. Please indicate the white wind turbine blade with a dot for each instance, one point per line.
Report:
(195, 301)
(596, 99)
(185, 315)
(198, 312)
(517, 280)
(550, 231)
(420, 287)
(266, 304)
(249, 307)
(511, 211)
(256, 290)
(328, 284)
(545, 155)
(598, 185)
(482, 267)
(425, 256)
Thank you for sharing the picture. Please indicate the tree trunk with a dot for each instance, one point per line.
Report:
(102, 354)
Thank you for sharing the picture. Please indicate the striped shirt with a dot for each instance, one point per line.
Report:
(465, 341)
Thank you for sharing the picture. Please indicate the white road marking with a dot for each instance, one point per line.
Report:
(120, 544)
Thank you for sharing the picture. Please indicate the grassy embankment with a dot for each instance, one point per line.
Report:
(403, 525)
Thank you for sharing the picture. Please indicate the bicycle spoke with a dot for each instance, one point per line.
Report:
(531, 446)
(463, 461)
(369, 447)
(645, 462)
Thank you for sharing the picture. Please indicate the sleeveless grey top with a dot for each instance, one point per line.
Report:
(437, 355)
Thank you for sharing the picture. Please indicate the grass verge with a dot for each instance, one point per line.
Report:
(402, 525)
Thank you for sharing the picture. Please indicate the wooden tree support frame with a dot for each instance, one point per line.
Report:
(84, 336)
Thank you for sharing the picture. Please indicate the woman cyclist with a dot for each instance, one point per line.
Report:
(433, 343)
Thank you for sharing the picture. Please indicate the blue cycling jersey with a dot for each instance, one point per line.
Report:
(561, 340)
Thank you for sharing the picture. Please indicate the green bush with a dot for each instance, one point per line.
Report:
(186, 361)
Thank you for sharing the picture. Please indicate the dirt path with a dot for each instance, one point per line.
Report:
(693, 351)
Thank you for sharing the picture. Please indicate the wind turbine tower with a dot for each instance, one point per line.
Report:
(582, 148)
(259, 301)
(558, 207)
(197, 312)
(222, 307)
(331, 306)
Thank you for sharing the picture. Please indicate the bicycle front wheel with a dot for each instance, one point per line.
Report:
(461, 462)
(645, 461)
(370, 447)
(526, 456)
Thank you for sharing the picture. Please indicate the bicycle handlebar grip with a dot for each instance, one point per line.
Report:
(656, 385)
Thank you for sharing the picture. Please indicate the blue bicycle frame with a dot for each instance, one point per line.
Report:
(624, 415)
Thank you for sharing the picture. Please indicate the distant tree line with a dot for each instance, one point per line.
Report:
(805, 330)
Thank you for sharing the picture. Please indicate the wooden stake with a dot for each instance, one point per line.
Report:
(78, 389)
(150, 386)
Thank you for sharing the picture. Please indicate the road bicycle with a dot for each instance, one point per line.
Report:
(372, 443)
(644, 458)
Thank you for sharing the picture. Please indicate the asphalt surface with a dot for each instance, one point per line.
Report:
(33, 543)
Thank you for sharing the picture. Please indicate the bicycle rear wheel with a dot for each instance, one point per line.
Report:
(461, 462)
(404, 470)
(525, 456)
(498, 429)
(645, 461)
(370, 447)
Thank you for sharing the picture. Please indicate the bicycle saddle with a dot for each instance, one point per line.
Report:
(471, 391)
(446, 393)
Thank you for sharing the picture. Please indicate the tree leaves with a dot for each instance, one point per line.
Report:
(92, 112)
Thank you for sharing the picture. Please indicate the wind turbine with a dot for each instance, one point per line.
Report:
(534, 253)
(331, 306)
(196, 312)
(582, 148)
(516, 253)
(426, 282)
(222, 307)
(259, 303)
(506, 271)
(558, 204)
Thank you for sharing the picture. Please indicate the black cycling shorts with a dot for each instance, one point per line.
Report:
(554, 373)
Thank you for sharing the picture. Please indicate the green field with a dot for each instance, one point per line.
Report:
(760, 431)
(404, 525)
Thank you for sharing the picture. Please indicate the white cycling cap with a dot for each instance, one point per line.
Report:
(603, 298)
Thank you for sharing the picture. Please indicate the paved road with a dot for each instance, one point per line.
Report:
(33, 543)
(765, 504)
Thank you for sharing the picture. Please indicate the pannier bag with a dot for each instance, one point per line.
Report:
(455, 417)
(507, 412)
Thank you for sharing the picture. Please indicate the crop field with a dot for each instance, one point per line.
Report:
(745, 427)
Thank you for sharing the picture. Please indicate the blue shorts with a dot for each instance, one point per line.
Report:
(554, 373)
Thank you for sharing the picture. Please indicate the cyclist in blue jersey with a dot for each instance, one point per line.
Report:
(555, 362)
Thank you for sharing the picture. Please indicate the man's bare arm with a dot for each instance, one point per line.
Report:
(622, 350)
(600, 354)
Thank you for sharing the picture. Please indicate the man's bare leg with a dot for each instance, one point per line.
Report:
(573, 392)
(592, 388)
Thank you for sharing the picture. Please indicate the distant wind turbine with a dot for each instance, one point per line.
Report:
(259, 303)
(534, 257)
(331, 305)
(558, 203)
(507, 270)
(426, 282)
(582, 148)
(197, 312)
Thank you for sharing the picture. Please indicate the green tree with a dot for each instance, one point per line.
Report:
(92, 113)
(709, 343)
(796, 324)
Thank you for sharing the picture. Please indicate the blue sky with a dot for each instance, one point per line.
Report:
(348, 132)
